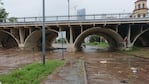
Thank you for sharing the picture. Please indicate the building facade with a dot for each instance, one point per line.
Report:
(141, 9)
(81, 14)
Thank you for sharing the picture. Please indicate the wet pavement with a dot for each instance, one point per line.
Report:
(70, 73)
(101, 67)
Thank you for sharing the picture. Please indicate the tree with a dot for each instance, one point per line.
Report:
(3, 13)
(1, 3)
(94, 38)
(61, 40)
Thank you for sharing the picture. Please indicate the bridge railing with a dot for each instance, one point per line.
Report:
(70, 18)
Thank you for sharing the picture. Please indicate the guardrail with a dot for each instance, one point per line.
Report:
(70, 18)
(76, 18)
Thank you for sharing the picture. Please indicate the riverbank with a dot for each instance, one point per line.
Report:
(140, 52)
(103, 67)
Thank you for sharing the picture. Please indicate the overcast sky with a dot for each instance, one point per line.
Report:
(26, 8)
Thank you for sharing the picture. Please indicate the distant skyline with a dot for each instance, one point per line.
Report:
(29, 8)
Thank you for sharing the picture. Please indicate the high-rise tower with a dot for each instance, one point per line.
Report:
(141, 9)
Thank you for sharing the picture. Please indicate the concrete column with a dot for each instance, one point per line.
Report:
(129, 37)
(30, 30)
(70, 47)
(22, 37)
(81, 28)
(116, 29)
(71, 35)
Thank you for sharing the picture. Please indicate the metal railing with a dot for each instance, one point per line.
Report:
(105, 17)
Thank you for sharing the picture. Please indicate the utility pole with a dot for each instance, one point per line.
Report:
(68, 9)
(43, 34)
(62, 44)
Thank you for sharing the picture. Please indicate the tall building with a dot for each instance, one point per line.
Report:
(141, 9)
(81, 14)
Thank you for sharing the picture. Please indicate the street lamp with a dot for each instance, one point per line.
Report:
(68, 9)
(43, 33)
(62, 45)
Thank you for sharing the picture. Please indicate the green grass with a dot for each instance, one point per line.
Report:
(134, 48)
(100, 44)
(140, 52)
(30, 74)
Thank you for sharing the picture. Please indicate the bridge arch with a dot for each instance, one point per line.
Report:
(135, 39)
(34, 40)
(7, 40)
(114, 39)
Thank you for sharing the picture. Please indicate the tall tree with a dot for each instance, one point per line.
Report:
(3, 13)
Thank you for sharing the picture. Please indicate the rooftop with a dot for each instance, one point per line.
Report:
(140, 0)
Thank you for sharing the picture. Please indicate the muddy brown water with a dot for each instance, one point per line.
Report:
(101, 67)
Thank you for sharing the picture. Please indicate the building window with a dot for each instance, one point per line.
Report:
(138, 15)
(139, 6)
(143, 6)
(144, 15)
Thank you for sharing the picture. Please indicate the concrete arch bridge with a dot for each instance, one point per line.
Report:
(120, 30)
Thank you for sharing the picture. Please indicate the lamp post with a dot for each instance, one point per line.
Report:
(68, 9)
(62, 45)
(43, 33)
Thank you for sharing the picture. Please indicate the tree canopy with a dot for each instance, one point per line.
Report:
(3, 13)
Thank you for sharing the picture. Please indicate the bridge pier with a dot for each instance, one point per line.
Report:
(30, 30)
(116, 29)
(22, 35)
(129, 37)
(70, 48)
(71, 35)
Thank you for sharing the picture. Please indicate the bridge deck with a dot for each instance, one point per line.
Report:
(73, 20)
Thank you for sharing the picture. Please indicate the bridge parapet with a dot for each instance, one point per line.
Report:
(73, 19)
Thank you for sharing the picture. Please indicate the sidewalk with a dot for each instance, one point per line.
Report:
(71, 73)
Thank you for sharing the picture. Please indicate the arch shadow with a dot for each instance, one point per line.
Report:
(7, 40)
(34, 40)
(138, 37)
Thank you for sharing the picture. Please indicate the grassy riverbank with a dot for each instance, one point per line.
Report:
(140, 52)
(30, 74)
(99, 44)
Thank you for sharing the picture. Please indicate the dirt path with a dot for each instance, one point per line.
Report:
(70, 73)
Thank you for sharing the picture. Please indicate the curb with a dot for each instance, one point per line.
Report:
(85, 73)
